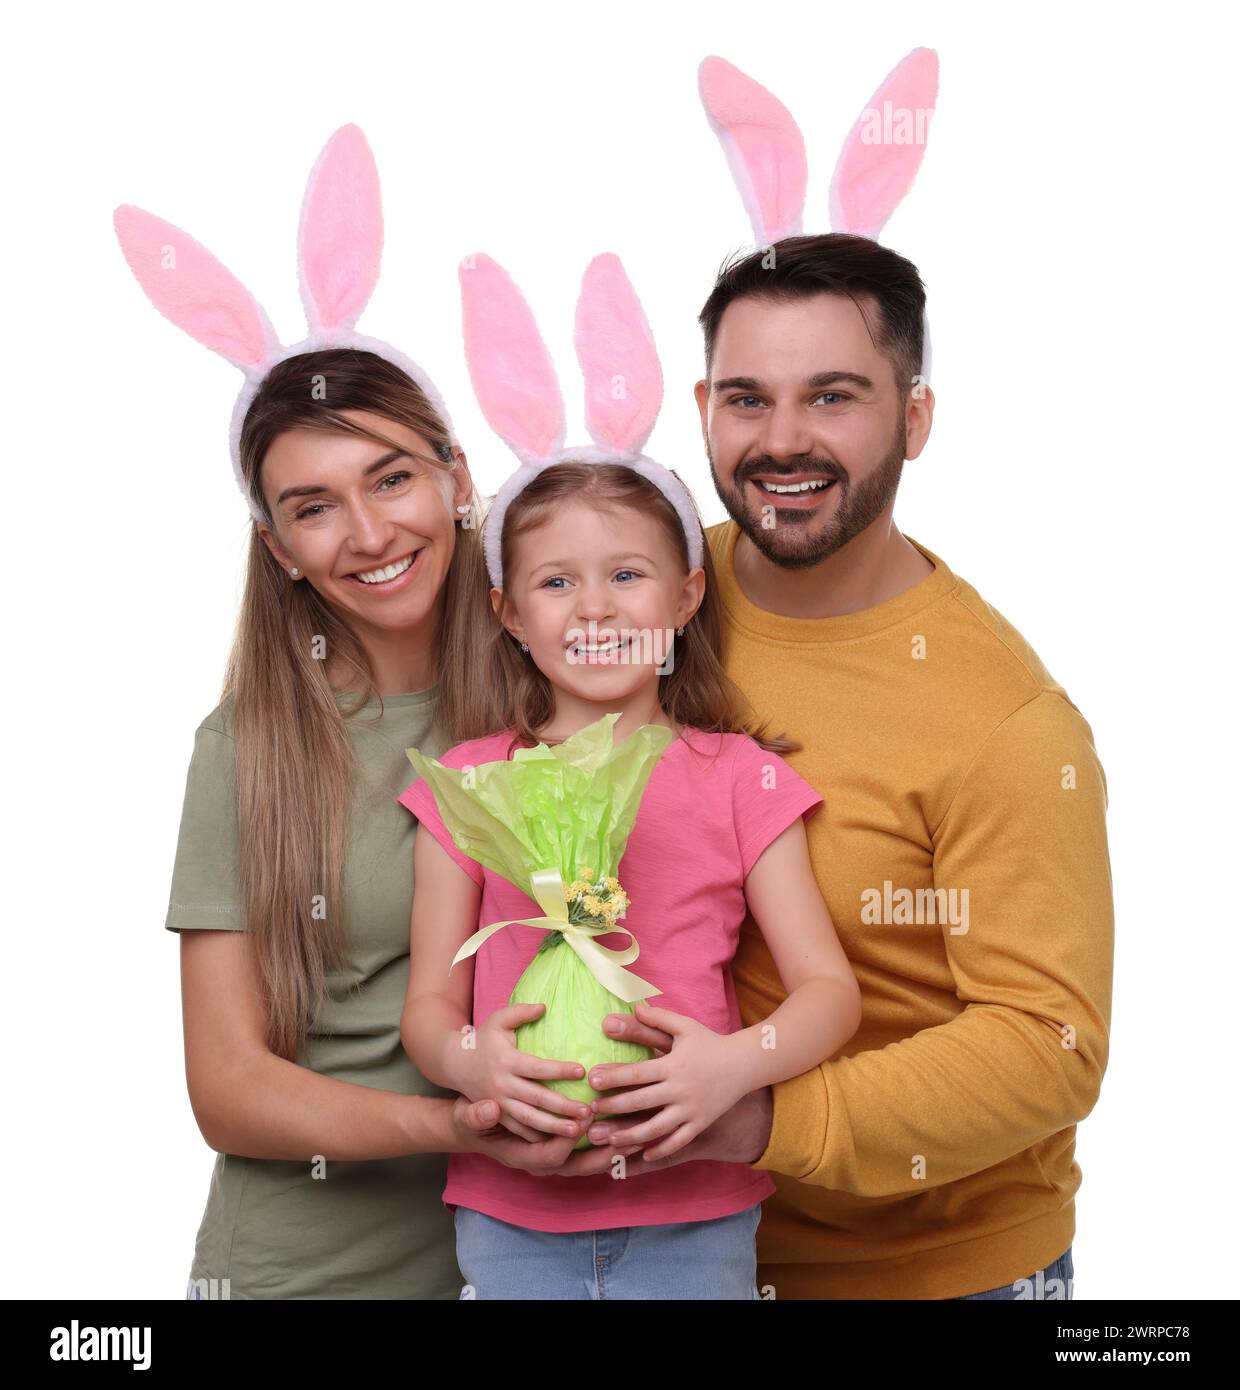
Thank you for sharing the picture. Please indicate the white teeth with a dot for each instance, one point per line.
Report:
(381, 576)
(796, 487)
(580, 649)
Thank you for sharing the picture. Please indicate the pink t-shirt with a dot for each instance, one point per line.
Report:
(707, 813)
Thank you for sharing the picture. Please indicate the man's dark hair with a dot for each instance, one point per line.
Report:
(835, 263)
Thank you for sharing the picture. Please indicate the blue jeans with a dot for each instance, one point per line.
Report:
(1053, 1282)
(681, 1260)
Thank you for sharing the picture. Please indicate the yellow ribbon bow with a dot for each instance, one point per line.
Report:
(605, 963)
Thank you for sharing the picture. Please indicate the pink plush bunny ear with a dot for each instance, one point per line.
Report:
(884, 150)
(508, 361)
(188, 285)
(765, 151)
(624, 382)
(340, 240)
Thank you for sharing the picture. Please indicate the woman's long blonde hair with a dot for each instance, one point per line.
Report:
(697, 692)
(295, 765)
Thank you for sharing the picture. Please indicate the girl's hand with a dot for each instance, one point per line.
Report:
(499, 1071)
(692, 1085)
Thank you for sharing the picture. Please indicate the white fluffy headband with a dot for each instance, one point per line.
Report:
(519, 393)
(876, 167)
(339, 246)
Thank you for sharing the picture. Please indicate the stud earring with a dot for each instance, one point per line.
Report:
(294, 571)
(680, 632)
(524, 647)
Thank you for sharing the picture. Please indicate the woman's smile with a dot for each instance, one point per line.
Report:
(387, 579)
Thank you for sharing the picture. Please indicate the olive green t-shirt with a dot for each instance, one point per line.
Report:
(373, 1229)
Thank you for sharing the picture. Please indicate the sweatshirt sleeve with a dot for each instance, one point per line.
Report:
(1031, 954)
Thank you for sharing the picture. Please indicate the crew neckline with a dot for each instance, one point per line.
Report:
(695, 740)
(844, 627)
(407, 700)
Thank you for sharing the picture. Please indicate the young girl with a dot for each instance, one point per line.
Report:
(594, 566)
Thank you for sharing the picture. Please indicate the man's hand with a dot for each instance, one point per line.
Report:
(739, 1136)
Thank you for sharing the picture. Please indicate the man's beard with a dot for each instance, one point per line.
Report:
(789, 543)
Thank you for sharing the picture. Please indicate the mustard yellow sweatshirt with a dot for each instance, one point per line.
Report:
(962, 851)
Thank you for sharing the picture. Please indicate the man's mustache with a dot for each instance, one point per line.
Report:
(824, 468)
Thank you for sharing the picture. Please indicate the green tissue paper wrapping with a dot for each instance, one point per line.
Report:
(554, 821)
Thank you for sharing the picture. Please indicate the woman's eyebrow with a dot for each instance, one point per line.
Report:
(390, 457)
(313, 489)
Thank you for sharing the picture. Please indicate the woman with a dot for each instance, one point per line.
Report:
(331, 1147)
(293, 880)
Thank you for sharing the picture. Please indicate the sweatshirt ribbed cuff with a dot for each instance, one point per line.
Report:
(798, 1125)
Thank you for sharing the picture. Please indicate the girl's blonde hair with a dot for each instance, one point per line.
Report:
(295, 766)
(697, 692)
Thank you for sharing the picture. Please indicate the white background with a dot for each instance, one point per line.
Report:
(1073, 224)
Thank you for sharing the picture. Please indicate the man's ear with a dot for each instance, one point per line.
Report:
(701, 394)
(918, 417)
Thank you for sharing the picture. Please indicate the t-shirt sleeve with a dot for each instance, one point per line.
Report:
(767, 796)
(204, 876)
(418, 798)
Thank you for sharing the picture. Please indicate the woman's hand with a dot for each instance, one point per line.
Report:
(478, 1131)
(698, 1080)
(498, 1071)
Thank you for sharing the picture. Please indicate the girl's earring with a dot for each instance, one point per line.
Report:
(294, 571)
(680, 632)
(524, 647)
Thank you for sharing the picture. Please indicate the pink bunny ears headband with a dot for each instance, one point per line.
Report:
(519, 393)
(876, 167)
(339, 245)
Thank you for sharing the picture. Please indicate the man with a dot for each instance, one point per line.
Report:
(962, 847)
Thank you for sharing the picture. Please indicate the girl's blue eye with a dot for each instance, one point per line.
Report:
(627, 571)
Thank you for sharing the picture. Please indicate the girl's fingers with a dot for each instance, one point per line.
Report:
(642, 1098)
(544, 1098)
(630, 1029)
(659, 1126)
(520, 1130)
(545, 1070)
(672, 1144)
(539, 1120)
(608, 1075)
(514, 1015)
